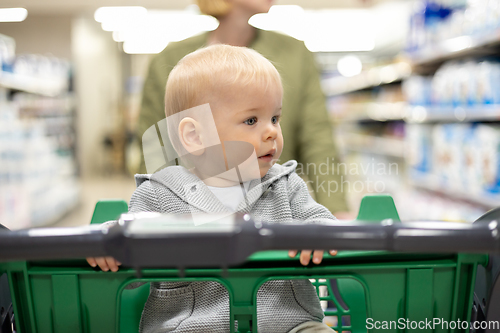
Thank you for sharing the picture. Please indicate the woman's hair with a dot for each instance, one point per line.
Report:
(200, 76)
(214, 7)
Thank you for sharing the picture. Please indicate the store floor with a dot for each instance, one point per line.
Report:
(93, 189)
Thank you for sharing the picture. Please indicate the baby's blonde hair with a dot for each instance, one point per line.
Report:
(200, 76)
(215, 8)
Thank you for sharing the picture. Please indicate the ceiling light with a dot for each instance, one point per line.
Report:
(147, 46)
(13, 14)
(286, 10)
(288, 19)
(107, 14)
(118, 36)
(349, 66)
(159, 27)
(321, 30)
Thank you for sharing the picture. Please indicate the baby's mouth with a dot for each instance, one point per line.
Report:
(269, 156)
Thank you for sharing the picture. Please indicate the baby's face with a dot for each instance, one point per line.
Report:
(252, 114)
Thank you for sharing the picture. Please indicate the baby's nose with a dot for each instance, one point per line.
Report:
(271, 132)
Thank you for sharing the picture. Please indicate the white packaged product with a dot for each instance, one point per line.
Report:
(448, 154)
(489, 164)
(418, 147)
(471, 162)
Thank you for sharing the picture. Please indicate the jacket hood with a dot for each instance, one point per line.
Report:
(191, 189)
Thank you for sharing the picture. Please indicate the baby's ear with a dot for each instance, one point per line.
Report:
(190, 136)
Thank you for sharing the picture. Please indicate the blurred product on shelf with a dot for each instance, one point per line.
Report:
(378, 75)
(37, 185)
(436, 21)
(39, 74)
(7, 53)
(381, 104)
(417, 205)
(418, 90)
(41, 67)
(462, 160)
(375, 132)
(419, 145)
(56, 115)
(38, 170)
(375, 145)
(468, 83)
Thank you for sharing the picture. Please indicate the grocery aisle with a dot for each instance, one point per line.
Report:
(414, 103)
(431, 110)
(413, 94)
(61, 120)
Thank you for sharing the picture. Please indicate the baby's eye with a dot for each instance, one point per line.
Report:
(251, 121)
(275, 120)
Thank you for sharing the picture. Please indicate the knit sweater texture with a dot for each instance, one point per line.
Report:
(281, 196)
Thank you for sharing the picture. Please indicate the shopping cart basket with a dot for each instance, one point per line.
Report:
(386, 271)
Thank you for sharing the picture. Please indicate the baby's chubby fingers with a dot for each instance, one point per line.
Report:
(333, 252)
(305, 257)
(91, 261)
(112, 264)
(318, 256)
(105, 263)
(102, 263)
(108, 264)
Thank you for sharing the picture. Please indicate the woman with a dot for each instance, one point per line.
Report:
(305, 125)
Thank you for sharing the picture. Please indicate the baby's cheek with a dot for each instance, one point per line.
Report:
(280, 148)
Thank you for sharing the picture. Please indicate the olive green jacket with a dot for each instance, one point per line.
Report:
(306, 128)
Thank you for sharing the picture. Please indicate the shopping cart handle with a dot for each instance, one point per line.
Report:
(159, 240)
(52, 243)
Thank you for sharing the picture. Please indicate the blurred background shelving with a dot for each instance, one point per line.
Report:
(485, 44)
(412, 86)
(423, 114)
(38, 166)
(440, 117)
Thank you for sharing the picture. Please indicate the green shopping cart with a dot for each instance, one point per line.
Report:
(364, 288)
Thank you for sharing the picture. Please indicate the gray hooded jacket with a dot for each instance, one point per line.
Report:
(280, 196)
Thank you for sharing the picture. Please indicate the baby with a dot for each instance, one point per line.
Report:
(223, 108)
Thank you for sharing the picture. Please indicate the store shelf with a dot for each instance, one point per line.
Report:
(368, 79)
(363, 112)
(421, 114)
(454, 48)
(433, 183)
(45, 87)
(40, 116)
(35, 105)
(369, 144)
(62, 200)
(382, 112)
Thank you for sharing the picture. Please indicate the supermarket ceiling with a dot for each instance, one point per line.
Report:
(72, 7)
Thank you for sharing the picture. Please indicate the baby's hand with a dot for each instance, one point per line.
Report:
(305, 256)
(105, 263)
